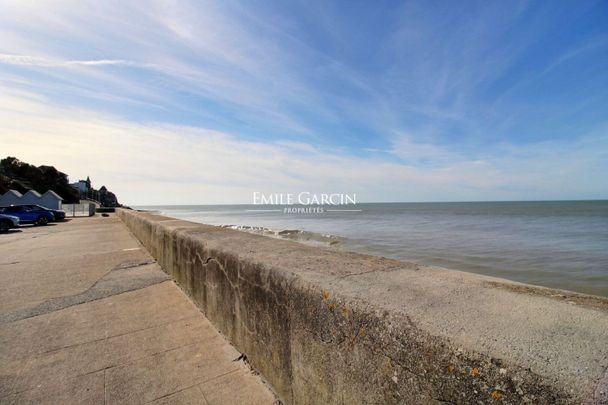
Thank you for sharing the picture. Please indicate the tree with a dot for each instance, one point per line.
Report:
(21, 176)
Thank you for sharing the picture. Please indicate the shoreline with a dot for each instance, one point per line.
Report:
(551, 278)
(560, 294)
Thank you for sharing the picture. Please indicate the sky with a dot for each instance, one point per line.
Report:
(196, 102)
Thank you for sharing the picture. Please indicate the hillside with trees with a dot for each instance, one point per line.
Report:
(21, 176)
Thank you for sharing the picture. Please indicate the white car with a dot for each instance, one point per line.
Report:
(7, 222)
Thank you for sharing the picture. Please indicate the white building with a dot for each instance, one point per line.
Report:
(83, 186)
(50, 199)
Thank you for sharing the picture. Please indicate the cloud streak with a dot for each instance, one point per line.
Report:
(156, 163)
(23, 60)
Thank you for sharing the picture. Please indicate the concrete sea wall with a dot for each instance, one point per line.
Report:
(332, 327)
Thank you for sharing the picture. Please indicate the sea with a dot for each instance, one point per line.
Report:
(559, 244)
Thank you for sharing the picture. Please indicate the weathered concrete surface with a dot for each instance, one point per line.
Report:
(330, 327)
(87, 316)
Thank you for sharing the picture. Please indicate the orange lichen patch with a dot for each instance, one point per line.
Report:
(451, 368)
(325, 295)
(331, 306)
(496, 395)
(362, 332)
(475, 372)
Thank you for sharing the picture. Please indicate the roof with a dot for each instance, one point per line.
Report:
(54, 194)
(34, 192)
(13, 192)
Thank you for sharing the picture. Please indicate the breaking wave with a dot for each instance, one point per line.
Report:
(297, 235)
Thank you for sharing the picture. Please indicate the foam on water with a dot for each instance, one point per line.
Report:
(297, 235)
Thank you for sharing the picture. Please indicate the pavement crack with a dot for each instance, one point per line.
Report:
(112, 337)
(122, 278)
(218, 376)
(357, 274)
(197, 385)
(148, 355)
(130, 265)
(176, 392)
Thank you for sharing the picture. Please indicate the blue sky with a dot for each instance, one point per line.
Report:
(207, 102)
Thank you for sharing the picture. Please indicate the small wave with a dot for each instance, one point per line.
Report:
(297, 235)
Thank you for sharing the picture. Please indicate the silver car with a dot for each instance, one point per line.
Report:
(7, 222)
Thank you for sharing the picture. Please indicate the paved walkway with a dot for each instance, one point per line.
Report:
(87, 316)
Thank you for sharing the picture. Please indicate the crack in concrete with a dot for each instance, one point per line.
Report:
(601, 390)
(109, 367)
(112, 337)
(236, 287)
(357, 274)
(120, 279)
(195, 385)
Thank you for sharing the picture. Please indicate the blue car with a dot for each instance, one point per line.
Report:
(58, 214)
(7, 222)
(26, 215)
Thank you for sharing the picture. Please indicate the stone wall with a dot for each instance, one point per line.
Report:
(333, 327)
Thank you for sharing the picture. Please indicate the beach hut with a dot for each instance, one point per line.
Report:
(10, 197)
(51, 200)
(31, 197)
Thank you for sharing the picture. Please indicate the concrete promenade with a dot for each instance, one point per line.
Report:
(87, 316)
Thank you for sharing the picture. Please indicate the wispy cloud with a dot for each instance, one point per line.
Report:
(161, 163)
(23, 60)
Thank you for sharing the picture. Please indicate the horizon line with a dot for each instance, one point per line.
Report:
(375, 202)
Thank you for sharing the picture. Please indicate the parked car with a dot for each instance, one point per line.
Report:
(7, 222)
(58, 214)
(27, 215)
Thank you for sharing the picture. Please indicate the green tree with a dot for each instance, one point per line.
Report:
(21, 176)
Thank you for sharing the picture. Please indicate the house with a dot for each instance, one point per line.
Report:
(50, 199)
(83, 186)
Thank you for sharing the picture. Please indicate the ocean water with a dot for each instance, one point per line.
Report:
(560, 244)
